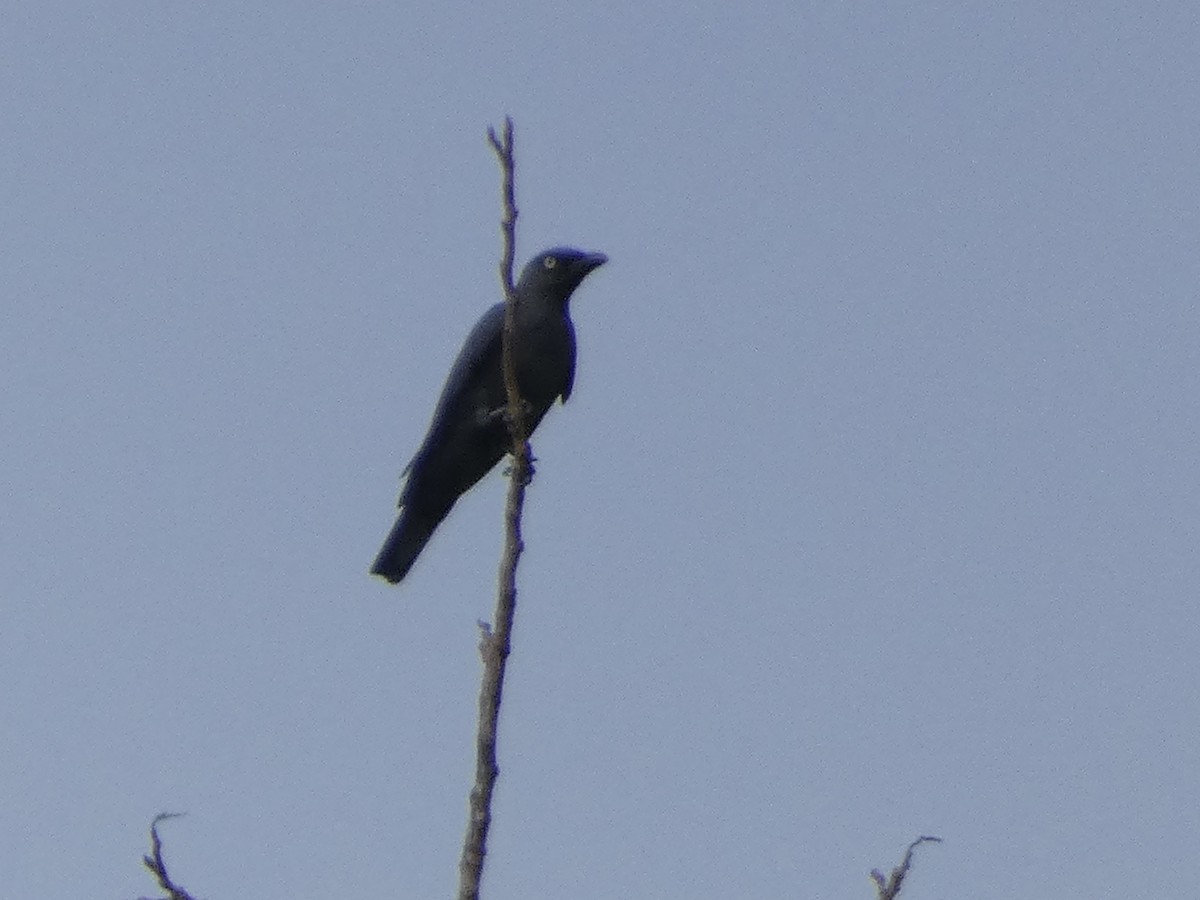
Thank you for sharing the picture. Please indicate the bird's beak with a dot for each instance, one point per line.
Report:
(590, 261)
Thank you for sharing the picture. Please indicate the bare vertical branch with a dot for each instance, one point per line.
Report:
(889, 888)
(495, 643)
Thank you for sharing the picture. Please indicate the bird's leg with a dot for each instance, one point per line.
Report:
(501, 412)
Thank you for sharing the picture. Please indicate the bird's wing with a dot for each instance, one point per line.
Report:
(472, 363)
(566, 391)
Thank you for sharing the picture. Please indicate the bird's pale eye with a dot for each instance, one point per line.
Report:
(549, 262)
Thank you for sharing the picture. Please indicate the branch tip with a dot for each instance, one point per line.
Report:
(889, 888)
(157, 866)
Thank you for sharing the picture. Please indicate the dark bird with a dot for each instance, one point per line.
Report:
(469, 433)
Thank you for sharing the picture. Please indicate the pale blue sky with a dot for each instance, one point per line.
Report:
(874, 512)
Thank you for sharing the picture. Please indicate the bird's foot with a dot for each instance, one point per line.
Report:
(511, 470)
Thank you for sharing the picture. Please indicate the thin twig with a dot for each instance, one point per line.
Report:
(154, 861)
(495, 643)
(889, 888)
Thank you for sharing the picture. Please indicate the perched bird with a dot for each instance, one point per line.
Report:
(469, 433)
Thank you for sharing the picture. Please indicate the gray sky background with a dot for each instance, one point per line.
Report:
(874, 512)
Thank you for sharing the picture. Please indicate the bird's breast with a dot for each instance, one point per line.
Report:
(545, 357)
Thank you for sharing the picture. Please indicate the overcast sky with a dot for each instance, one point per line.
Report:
(874, 512)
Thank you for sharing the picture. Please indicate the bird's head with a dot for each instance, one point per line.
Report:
(557, 272)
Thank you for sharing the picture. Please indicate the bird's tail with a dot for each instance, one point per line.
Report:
(404, 544)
